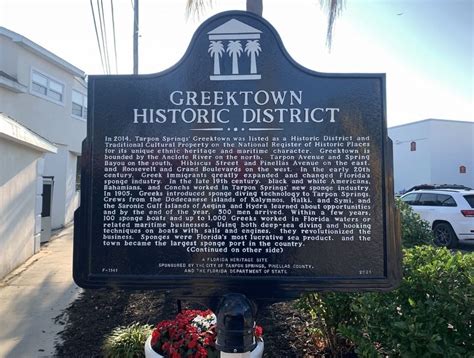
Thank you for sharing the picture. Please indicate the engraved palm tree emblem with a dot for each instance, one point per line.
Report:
(253, 49)
(229, 38)
(234, 48)
(216, 49)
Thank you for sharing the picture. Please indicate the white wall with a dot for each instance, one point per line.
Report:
(54, 166)
(39, 202)
(410, 167)
(52, 121)
(18, 198)
(452, 145)
(442, 146)
(72, 196)
(65, 198)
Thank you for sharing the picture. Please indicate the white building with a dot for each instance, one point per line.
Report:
(47, 95)
(21, 186)
(433, 151)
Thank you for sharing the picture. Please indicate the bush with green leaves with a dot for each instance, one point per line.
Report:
(127, 342)
(330, 308)
(414, 230)
(327, 311)
(429, 315)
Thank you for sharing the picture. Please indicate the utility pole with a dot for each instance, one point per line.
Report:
(135, 38)
(255, 6)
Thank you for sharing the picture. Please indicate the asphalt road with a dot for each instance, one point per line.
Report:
(466, 246)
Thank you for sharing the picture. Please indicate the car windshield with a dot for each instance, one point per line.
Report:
(470, 200)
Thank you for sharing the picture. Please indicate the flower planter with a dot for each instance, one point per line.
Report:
(258, 351)
(150, 353)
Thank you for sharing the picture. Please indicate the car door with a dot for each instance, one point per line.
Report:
(428, 206)
(412, 199)
(447, 210)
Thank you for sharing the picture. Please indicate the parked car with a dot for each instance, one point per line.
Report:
(448, 209)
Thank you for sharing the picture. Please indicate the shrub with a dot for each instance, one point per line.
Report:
(414, 230)
(328, 310)
(127, 342)
(429, 315)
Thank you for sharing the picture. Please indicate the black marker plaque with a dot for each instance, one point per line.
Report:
(237, 170)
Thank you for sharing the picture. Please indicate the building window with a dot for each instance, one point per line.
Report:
(46, 87)
(79, 104)
(462, 169)
(413, 146)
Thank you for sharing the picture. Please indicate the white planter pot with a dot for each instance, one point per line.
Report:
(150, 353)
(258, 351)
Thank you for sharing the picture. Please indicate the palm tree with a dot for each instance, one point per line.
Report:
(234, 48)
(333, 8)
(253, 49)
(216, 49)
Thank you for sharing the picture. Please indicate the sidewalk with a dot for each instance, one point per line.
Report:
(32, 296)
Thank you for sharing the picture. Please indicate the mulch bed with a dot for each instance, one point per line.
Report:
(96, 312)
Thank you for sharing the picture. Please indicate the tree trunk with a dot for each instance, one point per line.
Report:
(255, 6)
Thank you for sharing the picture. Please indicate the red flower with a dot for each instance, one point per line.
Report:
(166, 346)
(192, 343)
(191, 334)
(155, 336)
(175, 355)
(202, 351)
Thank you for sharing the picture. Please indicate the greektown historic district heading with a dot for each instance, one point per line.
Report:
(190, 107)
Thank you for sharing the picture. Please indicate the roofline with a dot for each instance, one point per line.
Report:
(41, 52)
(430, 120)
(18, 133)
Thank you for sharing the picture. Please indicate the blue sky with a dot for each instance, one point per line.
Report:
(426, 47)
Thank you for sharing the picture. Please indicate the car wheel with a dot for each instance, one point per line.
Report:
(444, 235)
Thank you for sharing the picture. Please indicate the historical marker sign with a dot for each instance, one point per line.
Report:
(237, 170)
